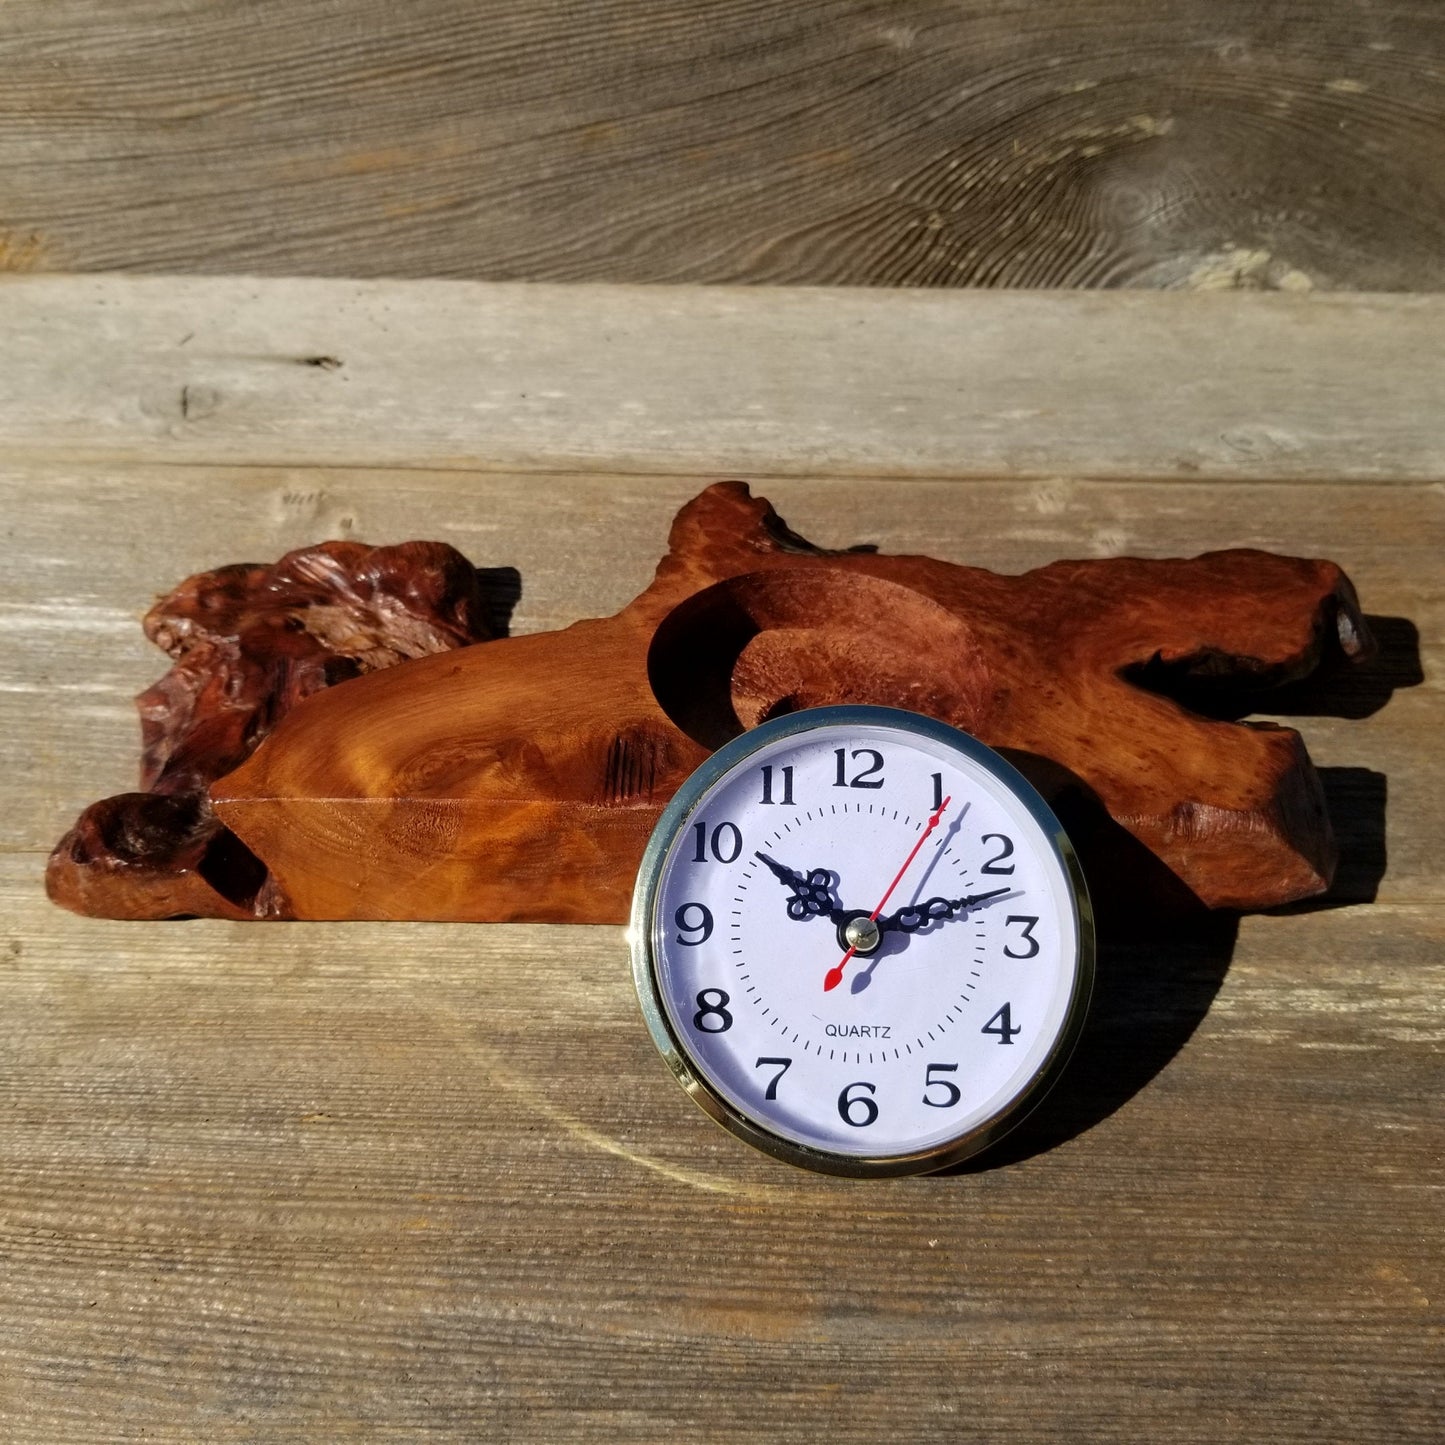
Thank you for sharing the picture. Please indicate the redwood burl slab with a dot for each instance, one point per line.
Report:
(519, 778)
(249, 643)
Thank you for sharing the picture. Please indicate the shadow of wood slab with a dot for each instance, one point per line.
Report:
(916, 143)
(1162, 956)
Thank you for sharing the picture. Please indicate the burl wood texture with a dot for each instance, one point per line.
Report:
(249, 642)
(1151, 143)
(392, 1180)
(519, 779)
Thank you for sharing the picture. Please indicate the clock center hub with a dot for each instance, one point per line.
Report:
(861, 934)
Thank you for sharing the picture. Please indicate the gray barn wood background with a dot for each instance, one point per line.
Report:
(391, 1182)
(1146, 143)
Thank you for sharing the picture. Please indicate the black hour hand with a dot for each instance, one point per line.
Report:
(812, 893)
(935, 910)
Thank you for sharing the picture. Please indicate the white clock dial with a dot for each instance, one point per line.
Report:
(861, 940)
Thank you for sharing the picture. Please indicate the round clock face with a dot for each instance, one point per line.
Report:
(862, 941)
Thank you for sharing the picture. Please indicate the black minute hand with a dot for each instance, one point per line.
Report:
(936, 910)
(812, 896)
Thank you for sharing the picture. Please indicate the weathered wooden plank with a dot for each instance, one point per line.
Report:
(982, 143)
(714, 380)
(301, 1181)
(310, 1179)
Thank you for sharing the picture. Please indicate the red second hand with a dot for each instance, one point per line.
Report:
(834, 976)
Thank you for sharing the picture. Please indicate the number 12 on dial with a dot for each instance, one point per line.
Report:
(862, 941)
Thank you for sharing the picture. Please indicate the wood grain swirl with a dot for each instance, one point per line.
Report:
(920, 143)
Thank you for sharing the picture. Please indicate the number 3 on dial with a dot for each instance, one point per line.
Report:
(862, 941)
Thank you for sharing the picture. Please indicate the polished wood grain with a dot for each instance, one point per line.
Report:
(502, 780)
(321, 1180)
(248, 643)
(920, 143)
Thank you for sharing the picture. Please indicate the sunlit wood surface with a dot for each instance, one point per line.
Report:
(314, 1181)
